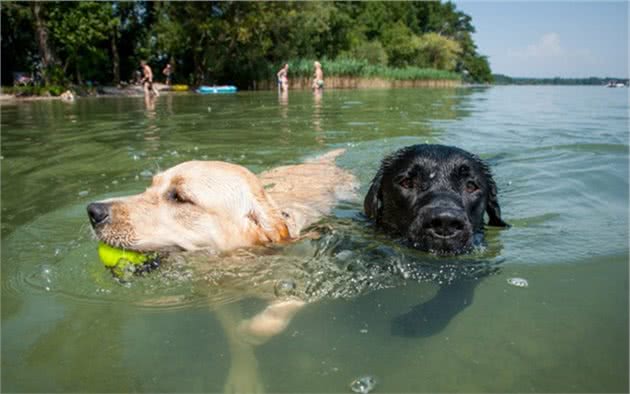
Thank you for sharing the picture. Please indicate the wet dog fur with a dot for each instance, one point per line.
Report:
(433, 197)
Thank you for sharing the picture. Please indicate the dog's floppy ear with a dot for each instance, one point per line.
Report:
(492, 204)
(267, 219)
(373, 202)
(493, 209)
(271, 229)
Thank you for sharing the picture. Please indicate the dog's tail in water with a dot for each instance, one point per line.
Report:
(327, 157)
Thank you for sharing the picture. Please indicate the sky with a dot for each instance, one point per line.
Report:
(544, 39)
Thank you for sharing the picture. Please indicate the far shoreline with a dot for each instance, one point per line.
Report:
(297, 84)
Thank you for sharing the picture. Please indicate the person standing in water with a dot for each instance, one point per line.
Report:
(283, 78)
(147, 80)
(318, 77)
(168, 72)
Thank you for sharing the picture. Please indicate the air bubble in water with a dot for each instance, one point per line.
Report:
(47, 277)
(285, 288)
(518, 282)
(344, 255)
(363, 384)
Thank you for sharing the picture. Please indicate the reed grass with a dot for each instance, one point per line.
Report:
(362, 69)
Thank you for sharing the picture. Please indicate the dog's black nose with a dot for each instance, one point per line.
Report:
(445, 223)
(98, 213)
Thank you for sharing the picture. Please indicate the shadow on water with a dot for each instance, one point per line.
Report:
(431, 317)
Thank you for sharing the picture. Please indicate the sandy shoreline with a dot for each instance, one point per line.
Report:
(104, 91)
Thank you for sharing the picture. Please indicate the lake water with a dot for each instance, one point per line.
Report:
(560, 159)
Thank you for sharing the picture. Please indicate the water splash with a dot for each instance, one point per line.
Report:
(363, 384)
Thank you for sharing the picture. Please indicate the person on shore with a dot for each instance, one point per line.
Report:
(147, 80)
(168, 72)
(283, 78)
(318, 77)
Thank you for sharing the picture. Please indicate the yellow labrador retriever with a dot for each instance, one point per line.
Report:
(221, 206)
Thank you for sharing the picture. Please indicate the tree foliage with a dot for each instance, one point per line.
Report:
(436, 51)
(80, 32)
(233, 42)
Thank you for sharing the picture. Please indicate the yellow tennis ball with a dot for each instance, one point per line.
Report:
(110, 256)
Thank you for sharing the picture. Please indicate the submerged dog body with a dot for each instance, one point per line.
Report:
(221, 206)
(434, 198)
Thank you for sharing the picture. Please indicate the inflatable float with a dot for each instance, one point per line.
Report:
(179, 88)
(216, 89)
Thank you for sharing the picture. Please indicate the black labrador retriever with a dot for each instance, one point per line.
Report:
(433, 197)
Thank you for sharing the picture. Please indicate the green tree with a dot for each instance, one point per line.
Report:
(371, 51)
(47, 57)
(477, 69)
(436, 51)
(81, 31)
(234, 42)
(400, 44)
(18, 40)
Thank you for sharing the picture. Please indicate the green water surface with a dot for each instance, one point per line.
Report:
(560, 159)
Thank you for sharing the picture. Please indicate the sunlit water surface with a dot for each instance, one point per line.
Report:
(559, 157)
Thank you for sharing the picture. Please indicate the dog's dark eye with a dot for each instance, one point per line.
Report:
(464, 170)
(174, 196)
(406, 183)
(471, 187)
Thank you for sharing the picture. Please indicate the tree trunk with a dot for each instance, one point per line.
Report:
(78, 71)
(45, 51)
(198, 71)
(115, 59)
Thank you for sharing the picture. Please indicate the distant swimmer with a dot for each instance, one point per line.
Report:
(168, 73)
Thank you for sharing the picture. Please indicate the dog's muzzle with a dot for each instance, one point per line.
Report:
(442, 228)
(444, 223)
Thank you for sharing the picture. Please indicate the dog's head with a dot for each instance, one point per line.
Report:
(191, 206)
(434, 197)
